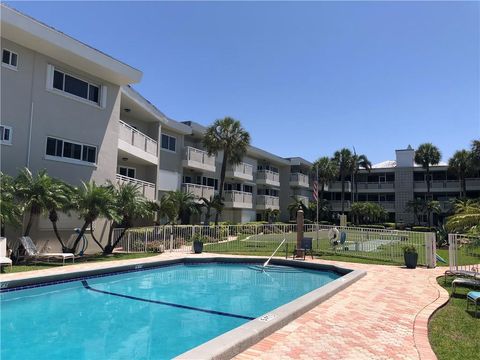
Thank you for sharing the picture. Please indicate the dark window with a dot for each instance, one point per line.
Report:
(164, 141)
(13, 59)
(93, 93)
(76, 87)
(89, 153)
(172, 145)
(60, 148)
(168, 142)
(54, 147)
(4, 133)
(6, 57)
(129, 172)
(58, 80)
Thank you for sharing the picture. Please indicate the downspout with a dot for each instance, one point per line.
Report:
(29, 136)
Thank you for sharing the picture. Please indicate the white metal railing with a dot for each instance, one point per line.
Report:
(146, 188)
(337, 186)
(438, 184)
(268, 201)
(263, 239)
(242, 170)
(464, 253)
(336, 205)
(268, 175)
(375, 185)
(239, 197)
(199, 156)
(299, 179)
(137, 138)
(199, 190)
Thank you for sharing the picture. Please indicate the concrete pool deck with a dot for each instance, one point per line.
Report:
(384, 315)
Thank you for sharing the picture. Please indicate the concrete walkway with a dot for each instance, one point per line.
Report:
(382, 316)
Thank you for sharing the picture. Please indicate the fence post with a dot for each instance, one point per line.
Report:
(171, 239)
(146, 241)
(128, 242)
(430, 250)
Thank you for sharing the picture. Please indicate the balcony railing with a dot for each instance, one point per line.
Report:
(268, 202)
(138, 139)
(472, 183)
(375, 185)
(198, 159)
(199, 190)
(452, 185)
(241, 171)
(268, 177)
(299, 179)
(336, 205)
(336, 186)
(238, 199)
(146, 188)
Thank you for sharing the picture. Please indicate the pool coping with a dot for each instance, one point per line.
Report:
(231, 343)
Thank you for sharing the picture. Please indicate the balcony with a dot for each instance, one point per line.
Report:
(135, 143)
(199, 190)
(242, 171)
(147, 189)
(265, 202)
(198, 160)
(336, 205)
(437, 185)
(336, 186)
(387, 205)
(375, 186)
(299, 180)
(268, 177)
(472, 184)
(238, 199)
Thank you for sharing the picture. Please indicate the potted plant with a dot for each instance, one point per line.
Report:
(410, 256)
(198, 241)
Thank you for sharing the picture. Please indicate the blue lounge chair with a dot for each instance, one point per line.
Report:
(474, 297)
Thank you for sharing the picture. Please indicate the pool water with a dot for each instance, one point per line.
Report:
(150, 314)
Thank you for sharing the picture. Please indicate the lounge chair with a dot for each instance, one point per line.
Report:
(474, 297)
(32, 252)
(465, 282)
(4, 259)
(307, 245)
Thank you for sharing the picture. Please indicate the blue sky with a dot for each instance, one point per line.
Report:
(304, 78)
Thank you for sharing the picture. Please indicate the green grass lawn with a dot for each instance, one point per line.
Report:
(454, 333)
(88, 258)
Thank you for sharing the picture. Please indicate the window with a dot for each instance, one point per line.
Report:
(168, 142)
(127, 171)
(9, 58)
(75, 86)
(248, 188)
(5, 134)
(70, 150)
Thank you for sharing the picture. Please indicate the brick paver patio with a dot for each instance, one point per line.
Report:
(382, 316)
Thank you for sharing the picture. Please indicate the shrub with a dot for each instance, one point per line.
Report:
(423, 229)
(389, 225)
(374, 226)
(409, 249)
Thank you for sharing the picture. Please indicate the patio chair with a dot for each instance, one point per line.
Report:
(32, 252)
(465, 282)
(4, 259)
(473, 273)
(474, 297)
(307, 245)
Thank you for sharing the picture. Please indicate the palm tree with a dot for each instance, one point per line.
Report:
(296, 205)
(10, 211)
(92, 202)
(466, 218)
(344, 160)
(475, 151)
(42, 193)
(129, 205)
(214, 203)
(427, 155)
(461, 163)
(327, 172)
(432, 207)
(226, 135)
(180, 204)
(416, 206)
(359, 161)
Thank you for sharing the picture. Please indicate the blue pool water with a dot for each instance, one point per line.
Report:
(151, 314)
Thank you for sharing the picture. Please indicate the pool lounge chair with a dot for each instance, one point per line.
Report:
(4, 259)
(307, 246)
(463, 273)
(32, 252)
(465, 282)
(474, 297)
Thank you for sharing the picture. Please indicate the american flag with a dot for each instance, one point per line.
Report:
(315, 190)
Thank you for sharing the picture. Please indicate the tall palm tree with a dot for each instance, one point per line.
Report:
(327, 172)
(344, 160)
(461, 163)
(475, 151)
(10, 210)
(296, 205)
(228, 136)
(129, 204)
(427, 155)
(182, 203)
(466, 218)
(432, 207)
(41, 193)
(92, 202)
(359, 161)
(214, 203)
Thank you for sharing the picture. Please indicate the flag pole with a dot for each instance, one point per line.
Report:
(316, 193)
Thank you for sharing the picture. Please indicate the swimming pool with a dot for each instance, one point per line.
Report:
(156, 313)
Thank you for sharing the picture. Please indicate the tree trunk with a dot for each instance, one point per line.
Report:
(30, 222)
(222, 182)
(79, 237)
(109, 247)
(342, 198)
(54, 218)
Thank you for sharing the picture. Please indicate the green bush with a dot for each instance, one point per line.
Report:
(389, 225)
(374, 226)
(423, 229)
(409, 249)
(324, 222)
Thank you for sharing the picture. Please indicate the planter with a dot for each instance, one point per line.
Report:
(411, 260)
(197, 247)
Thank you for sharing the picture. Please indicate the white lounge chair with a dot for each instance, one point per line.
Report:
(31, 251)
(4, 259)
